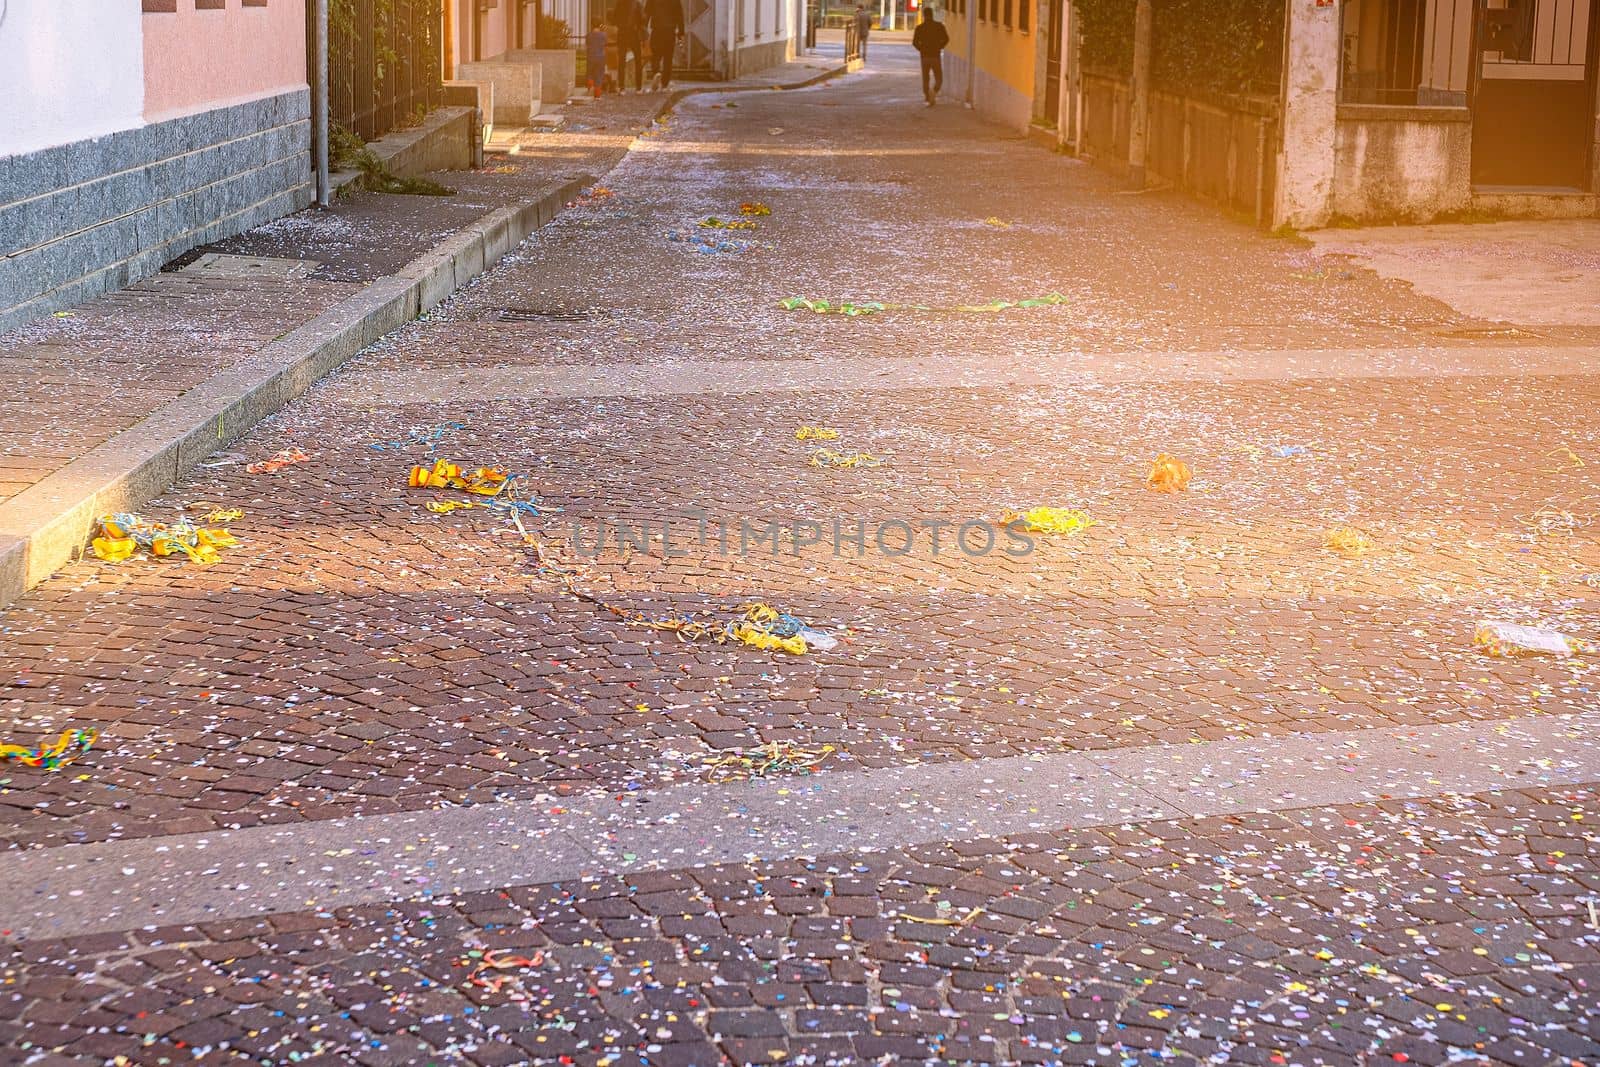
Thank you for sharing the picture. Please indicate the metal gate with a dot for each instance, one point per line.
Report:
(1534, 93)
(1052, 61)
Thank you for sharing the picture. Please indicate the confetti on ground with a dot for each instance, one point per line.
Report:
(1349, 540)
(816, 433)
(286, 457)
(67, 747)
(712, 222)
(754, 207)
(1048, 520)
(855, 309)
(485, 965)
(827, 457)
(1168, 474)
(121, 535)
(766, 761)
(1509, 639)
(430, 437)
(482, 481)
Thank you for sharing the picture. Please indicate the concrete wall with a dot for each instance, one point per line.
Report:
(81, 219)
(1304, 195)
(195, 59)
(558, 70)
(1401, 164)
(1221, 150)
(69, 70)
(518, 88)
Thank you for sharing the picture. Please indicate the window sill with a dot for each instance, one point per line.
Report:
(1402, 113)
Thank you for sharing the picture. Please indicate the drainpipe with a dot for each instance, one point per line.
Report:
(319, 105)
(972, 47)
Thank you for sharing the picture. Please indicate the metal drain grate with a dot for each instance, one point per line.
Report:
(542, 315)
(219, 265)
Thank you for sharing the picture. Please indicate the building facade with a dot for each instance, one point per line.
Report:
(136, 131)
(1306, 112)
(723, 38)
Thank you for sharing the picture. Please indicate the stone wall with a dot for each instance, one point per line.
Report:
(82, 219)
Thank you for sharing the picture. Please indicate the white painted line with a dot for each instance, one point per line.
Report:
(701, 377)
(79, 889)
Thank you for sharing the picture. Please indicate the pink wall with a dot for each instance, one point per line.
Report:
(194, 60)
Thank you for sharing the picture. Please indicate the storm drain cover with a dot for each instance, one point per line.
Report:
(543, 315)
(220, 265)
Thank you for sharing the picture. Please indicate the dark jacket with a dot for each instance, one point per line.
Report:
(630, 20)
(665, 18)
(863, 24)
(930, 37)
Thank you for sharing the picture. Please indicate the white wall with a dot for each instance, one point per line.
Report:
(69, 70)
(759, 21)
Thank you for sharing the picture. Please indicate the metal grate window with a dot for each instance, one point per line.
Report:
(1405, 52)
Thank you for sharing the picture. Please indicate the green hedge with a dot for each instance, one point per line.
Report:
(1218, 46)
(1107, 27)
(1198, 46)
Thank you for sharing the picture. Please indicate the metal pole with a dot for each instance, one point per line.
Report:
(1139, 120)
(319, 105)
(972, 45)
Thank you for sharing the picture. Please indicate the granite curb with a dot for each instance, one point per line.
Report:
(47, 525)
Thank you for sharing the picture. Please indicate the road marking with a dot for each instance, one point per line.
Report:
(121, 885)
(697, 377)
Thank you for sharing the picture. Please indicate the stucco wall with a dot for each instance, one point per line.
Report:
(199, 59)
(1402, 164)
(754, 34)
(69, 70)
(993, 97)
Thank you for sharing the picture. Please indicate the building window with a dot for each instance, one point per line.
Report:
(160, 6)
(210, 5)
(983, 10)
(1022, 15)
(1405, 52)
(1007, 11)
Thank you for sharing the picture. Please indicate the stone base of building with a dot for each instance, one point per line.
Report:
(753, 58)
(991, 97)
(82, 219)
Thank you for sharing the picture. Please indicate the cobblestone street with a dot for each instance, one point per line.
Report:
(1183, 785)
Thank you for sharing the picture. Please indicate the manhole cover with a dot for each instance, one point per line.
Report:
(542, 315)
(220, 265)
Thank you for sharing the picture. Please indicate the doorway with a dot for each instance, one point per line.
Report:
(1534, 93)
(1052, 61)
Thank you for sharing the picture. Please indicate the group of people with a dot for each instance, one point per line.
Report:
(659, 22)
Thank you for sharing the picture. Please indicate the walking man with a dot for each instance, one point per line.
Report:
(666, 26)
(630, 40)
(929, 41)
(863, 27)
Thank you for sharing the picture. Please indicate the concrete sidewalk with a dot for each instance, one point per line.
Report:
(109, 402)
